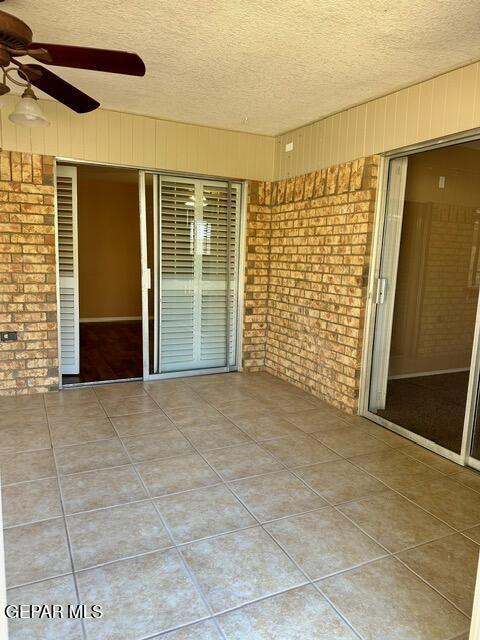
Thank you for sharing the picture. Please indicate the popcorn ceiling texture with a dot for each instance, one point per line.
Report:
(27, 274)
(308, 251)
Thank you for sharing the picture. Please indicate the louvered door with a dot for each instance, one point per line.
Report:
(66, 194)
(197, 274)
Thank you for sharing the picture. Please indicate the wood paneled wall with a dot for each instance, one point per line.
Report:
(444, 105)
(121, 138)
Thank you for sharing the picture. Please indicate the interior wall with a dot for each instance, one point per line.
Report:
(436, 295)
(108, 244)
(437, 107)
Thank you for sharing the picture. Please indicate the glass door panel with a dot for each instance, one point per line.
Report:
(427, 295)
(195, 237)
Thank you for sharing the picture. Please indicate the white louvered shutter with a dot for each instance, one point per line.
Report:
(66, 194)
(219, 274)
(177, 341)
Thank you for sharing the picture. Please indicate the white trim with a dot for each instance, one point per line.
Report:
(57, 273)
(144, 270)
(111, 319)
(187, 374)
(437, 372)
(475, 624)
(242, 254)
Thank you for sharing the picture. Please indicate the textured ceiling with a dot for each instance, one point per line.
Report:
(278, 63)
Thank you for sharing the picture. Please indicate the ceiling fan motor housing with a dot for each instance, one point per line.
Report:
(14, 33)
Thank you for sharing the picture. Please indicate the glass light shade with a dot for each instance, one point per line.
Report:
(28, 113)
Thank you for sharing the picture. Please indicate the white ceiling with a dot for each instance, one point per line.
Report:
(279, 63)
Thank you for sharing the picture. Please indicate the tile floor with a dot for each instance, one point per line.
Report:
(234, 507)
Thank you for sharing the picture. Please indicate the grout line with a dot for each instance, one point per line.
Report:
(67, 533)
(186, 567)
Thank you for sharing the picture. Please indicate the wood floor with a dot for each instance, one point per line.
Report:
(109, 351)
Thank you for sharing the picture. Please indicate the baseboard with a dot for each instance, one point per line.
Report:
(427, 373)
(114, 319)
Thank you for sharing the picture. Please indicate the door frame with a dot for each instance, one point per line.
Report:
(148, 281)
(242, 244)
(463, 458)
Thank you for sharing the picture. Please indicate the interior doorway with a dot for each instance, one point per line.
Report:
(423, 370)
(100, 273)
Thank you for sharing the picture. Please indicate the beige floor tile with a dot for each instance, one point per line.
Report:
(151, 446)
(288, 403)
(118, 532)
(324, 542)
(432, 459)
(240, 410)
(93, 455)
(181, 473)
(241, 461)
(36, 551)
(101, 488)
(29, 465)
(56, 590)
(339, 481)
(139, 424)
(30, 501)
(215, 437)
(473, 533)
(70, 397)
(196, 416)
(201, 631)
(449, 565)
(276, 495)
(119, 391)
(267, 427)
(467, 477)
(26, 417)
(383, 434)
(350, 442)
(385, 601)
(219, 423)
(298, 450)
(24, 437)
(299, 614)
(239, 567)
(457, 505)
(126, 406)
(222, 394)
(395, 469)
(142, 596)
(176, 398)
(69, 431)
(393, 521)
(203, 512)
(317, 420)
(32, 402)
(84, 410)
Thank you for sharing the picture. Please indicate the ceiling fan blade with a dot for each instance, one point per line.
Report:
(63, 55)
(59, 89)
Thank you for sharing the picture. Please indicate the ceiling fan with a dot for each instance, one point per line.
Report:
(16, 41)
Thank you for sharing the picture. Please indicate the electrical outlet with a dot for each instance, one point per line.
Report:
(8, 336)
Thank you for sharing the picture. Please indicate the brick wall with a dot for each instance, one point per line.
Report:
(316, 262)
(27, 274)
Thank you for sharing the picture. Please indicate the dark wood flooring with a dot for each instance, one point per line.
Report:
(109, 351)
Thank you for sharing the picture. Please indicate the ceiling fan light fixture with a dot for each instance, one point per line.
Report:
(28, 113)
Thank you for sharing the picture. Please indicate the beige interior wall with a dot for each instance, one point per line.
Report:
(435, 302)
(441, 106)
(113, 137)
(108, 246)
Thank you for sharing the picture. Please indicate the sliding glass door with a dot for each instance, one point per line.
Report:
(191, 235)
(424, 371)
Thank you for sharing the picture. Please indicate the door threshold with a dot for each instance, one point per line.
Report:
(97, 383)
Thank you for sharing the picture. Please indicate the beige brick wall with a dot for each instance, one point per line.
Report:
(27, 274)
(309, 286)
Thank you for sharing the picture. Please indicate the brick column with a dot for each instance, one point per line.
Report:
(28, 299)
(314, 234)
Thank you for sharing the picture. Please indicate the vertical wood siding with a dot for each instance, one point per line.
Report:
(121, 138)
(447, 104)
